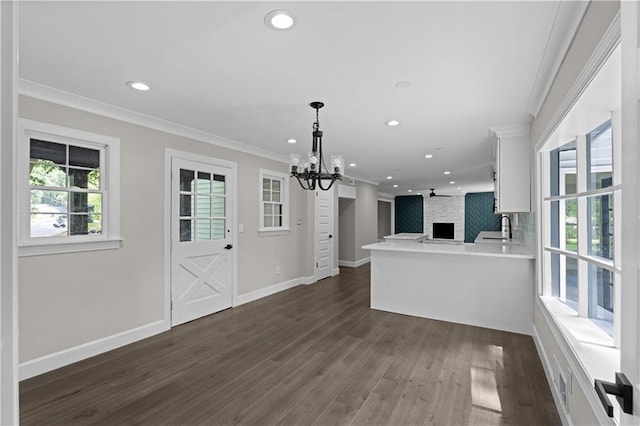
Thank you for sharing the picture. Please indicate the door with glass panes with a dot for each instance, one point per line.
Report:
(201, 249)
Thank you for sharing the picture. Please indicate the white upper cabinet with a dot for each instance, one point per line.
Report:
(512, 169)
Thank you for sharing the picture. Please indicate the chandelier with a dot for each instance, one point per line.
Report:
(311, 172)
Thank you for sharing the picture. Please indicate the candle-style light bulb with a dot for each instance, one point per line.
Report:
(337, 164)
(294, 162)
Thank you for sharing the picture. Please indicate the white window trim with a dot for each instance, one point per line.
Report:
(578, 330)
(110, 237)
(581, 195)
(276, 230)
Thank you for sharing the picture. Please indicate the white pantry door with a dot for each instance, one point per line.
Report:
(201, 250)
(323, 234)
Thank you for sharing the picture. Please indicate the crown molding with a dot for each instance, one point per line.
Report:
(511, 131)
(568, 17)
(370, 182)
(384, 196)
(605, 48)
(71, 100)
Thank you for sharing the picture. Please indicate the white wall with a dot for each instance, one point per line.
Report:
(366, 217)
(445, 209)
(347, 229)
(594, 25)
(66, 300)
(360, 224)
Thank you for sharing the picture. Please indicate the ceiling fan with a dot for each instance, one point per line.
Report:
(433, 194)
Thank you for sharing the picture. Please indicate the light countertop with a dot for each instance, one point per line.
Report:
(407, 236)
(496, 237)
(467, 249)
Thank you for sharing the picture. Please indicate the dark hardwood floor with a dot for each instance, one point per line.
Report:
(309, 355)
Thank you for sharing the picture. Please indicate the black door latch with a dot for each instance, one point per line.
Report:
(228, 247)
(622, 389)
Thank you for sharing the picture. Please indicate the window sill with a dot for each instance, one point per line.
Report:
(270, 232)
(593, 347)
(68, 247)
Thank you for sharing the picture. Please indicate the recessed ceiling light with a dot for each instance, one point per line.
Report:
(409, 190)
(292, 140)
(458, 188)
(395, 186)
(352, 164)
(419, 193)
(404, 84)
(447, 172)
(452, 182)
(392, 123)
(428, 156)
(138, 85)
(280, 20)
(389, 177)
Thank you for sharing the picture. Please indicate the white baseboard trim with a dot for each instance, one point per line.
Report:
(335, 272)
(56, 360)
(350, 264)
(548, 371)
(308, 280)
(50, 362)
(268, 291)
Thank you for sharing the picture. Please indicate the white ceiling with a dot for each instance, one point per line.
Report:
(215, 67)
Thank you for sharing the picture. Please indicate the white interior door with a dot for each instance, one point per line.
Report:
(324, 234)
(201, 249)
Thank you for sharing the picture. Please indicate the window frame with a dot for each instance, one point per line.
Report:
(109, 148)
(284, 200)
(582, 195)
(194, 194)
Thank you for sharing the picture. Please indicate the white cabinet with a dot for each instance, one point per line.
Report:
(512, 169)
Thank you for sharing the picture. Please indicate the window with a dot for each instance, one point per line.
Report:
(579, 248)
(68, 189)
(202, 206)
(274, 203)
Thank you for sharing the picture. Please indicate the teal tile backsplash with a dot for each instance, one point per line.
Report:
(409, 214)
(478, 215)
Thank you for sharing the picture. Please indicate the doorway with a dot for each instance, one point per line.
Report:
(384, 219)
(346, 231)
(202, 255)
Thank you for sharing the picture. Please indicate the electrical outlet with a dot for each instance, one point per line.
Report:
(562, 383)
(562, 389)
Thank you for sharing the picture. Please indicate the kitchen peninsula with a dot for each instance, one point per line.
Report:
(486, 285)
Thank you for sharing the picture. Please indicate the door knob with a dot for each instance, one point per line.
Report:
(330, 236)
(622, 389)
(228, 247)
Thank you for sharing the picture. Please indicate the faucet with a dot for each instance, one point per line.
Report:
(508, 223)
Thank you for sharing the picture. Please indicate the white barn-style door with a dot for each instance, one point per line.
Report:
(201, 240)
